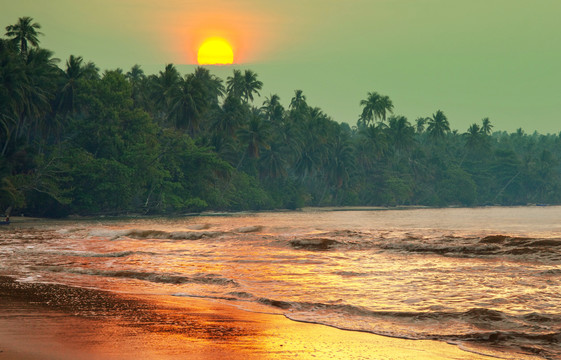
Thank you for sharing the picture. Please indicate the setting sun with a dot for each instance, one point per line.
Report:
(215, 51)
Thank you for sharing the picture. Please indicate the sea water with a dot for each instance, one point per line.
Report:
(478, 277)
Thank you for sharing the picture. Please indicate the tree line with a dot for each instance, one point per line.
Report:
(76, 140)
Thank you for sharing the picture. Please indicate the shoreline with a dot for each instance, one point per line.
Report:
(48, 321)
(306, 209)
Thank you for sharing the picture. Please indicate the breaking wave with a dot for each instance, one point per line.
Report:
(142, 234)
(87, 254)
(538, 334)
(195, 233)
(211, 279)
(548, 250)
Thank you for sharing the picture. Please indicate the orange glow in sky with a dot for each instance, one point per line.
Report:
(252, 34)
(215, 51)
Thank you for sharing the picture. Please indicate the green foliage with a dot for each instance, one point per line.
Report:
(457, 187)
(77, 141)
(100, 185)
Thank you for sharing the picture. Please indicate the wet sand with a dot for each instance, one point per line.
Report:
(42, 321)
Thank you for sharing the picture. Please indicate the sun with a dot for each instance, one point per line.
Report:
(215, 51)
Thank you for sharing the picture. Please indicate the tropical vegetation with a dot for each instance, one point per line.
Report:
(77, 140)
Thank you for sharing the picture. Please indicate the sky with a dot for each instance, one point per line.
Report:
(471, 59)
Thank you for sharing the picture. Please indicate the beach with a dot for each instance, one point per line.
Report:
(362, 284)
(45, 321)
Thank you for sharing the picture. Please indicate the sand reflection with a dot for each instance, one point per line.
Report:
(40, 321)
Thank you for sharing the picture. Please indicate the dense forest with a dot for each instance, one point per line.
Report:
(75, 140)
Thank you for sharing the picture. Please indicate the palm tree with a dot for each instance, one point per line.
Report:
(136, 78)
(273, 109)
(341, 160)
(374, 141)
(243, 85)
(273, 163)
(13, 86)
(256, 135)
(438, 125)
(163, 86)
(401, 132)
(385, 105)
(420, 123)
(473, 137)
(136, 74)
(24, 32)
(188, 104)
(235, 84)
(41, 68)
(73, 73)
(376, 107)
(368, 112)
(298, 106)
(211, 85)
(229, 117)
(251, 85)
(486, 126)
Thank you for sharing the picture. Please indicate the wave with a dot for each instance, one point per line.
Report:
(538, 334)
(142, 234)
(551, 272)
(87, 254)
(488, 246)
(314, 243)
(350, 273)
(163, 278)
(249, 229)
(539, 249)
(196, 232)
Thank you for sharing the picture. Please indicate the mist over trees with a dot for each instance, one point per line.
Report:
(77, 140)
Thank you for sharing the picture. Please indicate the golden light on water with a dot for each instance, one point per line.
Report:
(215, 51)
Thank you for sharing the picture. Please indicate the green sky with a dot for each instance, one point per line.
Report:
(472, 59)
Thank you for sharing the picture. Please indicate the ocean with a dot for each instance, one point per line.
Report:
(481, 278)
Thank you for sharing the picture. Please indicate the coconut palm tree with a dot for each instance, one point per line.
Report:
(273, 163)
(235, 84)
(136, 74)
(385, 105)
(41, 68)
(163, 86)
(230, 117)
(298, 107)
(75, 70)
(473, 137)
(255, 135)
(438, 125)
(401, 133)
(374, 139)
(375, 107)
(13, 88)
(341, 160)
(251, 85)
(188, 104)
(486, 126)
(137, 79)
(420, 124)
(211, 85)
(273, 109)
(24, 32)
(368, 112)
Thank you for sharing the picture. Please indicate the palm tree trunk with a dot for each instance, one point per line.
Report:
(504, 187)
(241, 160)
(8, 136)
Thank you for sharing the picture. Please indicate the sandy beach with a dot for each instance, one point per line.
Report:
(44, 321)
